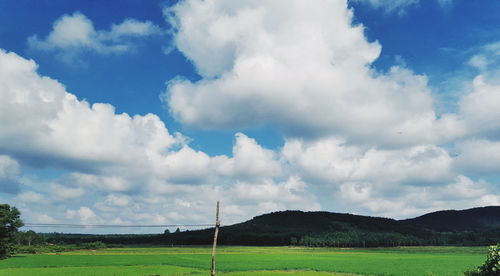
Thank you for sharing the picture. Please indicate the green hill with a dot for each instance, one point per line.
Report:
(452, 220)
(477, 226)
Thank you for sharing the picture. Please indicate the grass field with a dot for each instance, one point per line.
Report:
(238, 261)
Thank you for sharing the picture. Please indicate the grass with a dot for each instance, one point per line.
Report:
(103, 271)
(236, 261)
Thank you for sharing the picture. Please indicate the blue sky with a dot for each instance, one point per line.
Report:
(386, 108)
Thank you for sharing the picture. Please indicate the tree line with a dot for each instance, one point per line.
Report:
(290, 228)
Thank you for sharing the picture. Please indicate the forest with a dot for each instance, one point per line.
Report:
(477, 226)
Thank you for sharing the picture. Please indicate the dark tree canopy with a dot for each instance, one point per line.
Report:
(477, 226)
(9, 223)
(29, 238)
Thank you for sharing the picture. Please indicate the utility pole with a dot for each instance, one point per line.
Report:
(217, 225)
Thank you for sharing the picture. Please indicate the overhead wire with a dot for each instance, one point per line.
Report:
(71, 225)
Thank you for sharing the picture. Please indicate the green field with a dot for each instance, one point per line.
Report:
(232, 261)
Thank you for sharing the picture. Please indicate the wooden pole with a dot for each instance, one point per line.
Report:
(217, 225)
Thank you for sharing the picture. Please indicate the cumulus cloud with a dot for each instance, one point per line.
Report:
(459, 193)
(480, 109)
(84, 215)
(306, 73)
(356, 140)
(390, 182)
(114, 160)
(57, 129)
(363, 137)
(74, 33)
(332, 161)
(249, 161)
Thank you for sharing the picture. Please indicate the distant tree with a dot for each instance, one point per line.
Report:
(30, 237)
(177, 230)
(166, 232)
(94, 245)
(9, 224)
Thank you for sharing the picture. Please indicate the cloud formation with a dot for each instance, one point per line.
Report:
(356, 140)
(370, 139)
(75, 33)
(390, 182)
(308, 74)
(114, 159)
(55, 128)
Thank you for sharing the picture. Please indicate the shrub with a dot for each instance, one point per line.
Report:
(94, 245)
(491, 266)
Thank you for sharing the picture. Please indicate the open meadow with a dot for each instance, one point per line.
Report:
(232, 261)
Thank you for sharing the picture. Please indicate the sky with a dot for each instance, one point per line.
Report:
(147, 112)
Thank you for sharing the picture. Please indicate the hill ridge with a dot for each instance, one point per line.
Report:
(474, 226)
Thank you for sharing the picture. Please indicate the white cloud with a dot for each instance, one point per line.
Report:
(115, 160)
(399, 6)
(66, 193)
(114, 179)
(249, 161)
(479, 156)
(9, 175)
(118, 200)
(479, 61)
(269, 191)
(306, 73)
(131, 27)
(389, 182)
(30, 197)
(72, 34)
(356, 191)
(9, 168)
(185, 166)
(480, 109)
(361, 136)
(487, 57)
(464, 188)
(459, 193)
(56, 129)
(332, 161)
(358, 140)
(36, 217)
(84, 215)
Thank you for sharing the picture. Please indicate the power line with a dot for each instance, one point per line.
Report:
(70, 225)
